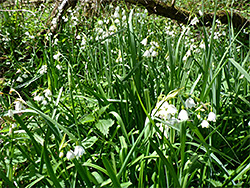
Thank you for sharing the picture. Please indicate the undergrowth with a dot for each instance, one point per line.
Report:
(127, 100)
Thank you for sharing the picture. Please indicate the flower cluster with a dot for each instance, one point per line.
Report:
(152, 51)
(21, 76)
(43, 99)
(169, 113)
(211, 117)
(78, 152)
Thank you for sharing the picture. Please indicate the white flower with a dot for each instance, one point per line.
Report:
(189, 103)
(10, 113)
(163, 128)
(13, 125)
(144, 41)
(61, 154)
(241, 77)
(117, 21)
(78, 37)
(211, 117)
(79, 151)
(164, 110)
(57, 56)
(38, 98)
(53, 22)
(65, 19)
(19, 79)
(171, 109)
(188, 53)
(116, 14)
(84, 41)
(112, 28)
(70, 155)
(201, 13)
(194, 21)
(19, 105)
(100, 22)
(202, 45)
(218, 22)
(43, 69)
(44, 102)
(59, 67)
(25, 75)
(183, 115)
(146, 54)
(56, 41)
(154, 53)
(47, 93)
(204, 124)
(124, 18)
(117, 8)
(249, 123)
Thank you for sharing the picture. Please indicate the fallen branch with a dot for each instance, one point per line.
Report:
(183, 16)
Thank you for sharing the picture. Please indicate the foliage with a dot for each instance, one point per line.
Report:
(129, 100)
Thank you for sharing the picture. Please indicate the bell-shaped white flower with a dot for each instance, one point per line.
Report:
(43, 69)
(116, 14)
(47, 94)
(183, 115)
(144, 41)
(204, 124)
(211, 117)
(194, 21)
(19, 105)
(146, 53)
(57, 56)
(61, 154)
(19, 79)
(38, 98)
(171, 109)
(154, 53)
(190, 103)
(70, 155)
(79, 151)
(10, 113)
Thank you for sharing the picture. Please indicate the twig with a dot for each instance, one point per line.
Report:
(18, 10)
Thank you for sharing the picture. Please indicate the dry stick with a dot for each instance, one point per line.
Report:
(18, 10)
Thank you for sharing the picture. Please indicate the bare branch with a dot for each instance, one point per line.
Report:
(18, 10)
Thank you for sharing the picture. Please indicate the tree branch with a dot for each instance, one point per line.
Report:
(183, 16)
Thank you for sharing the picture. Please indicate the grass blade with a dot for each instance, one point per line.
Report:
(111, 172)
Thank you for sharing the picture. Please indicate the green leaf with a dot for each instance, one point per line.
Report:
(241, 69)
(87, 119)
(5, 179)
(48, 163)
(87, 143)
(169, 166)
(103, 126)
(111, 172)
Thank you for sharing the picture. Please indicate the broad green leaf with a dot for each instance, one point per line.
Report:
(87, 119)
(103, 126)
(89, 142)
